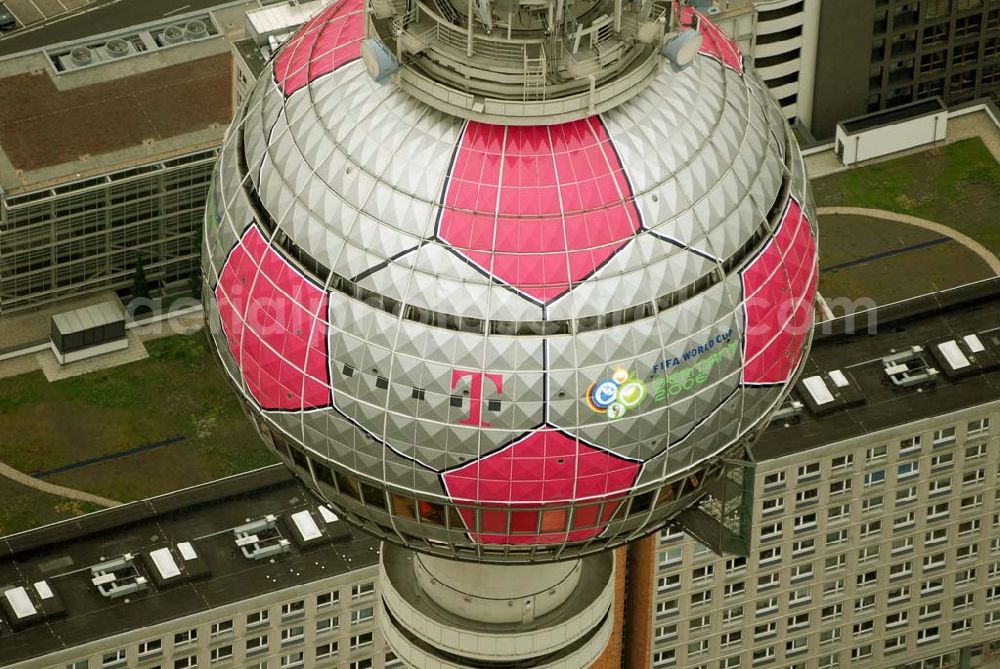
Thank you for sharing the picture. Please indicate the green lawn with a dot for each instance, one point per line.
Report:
(957, 185)
(23, 508)
(847, 239)
(178, 392)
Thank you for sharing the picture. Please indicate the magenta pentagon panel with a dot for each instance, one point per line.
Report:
(329, 40)
(538, 208)
(274, 322)
(543, 468)
(715, 42)
(780, 287)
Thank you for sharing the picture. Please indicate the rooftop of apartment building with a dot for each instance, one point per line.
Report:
(129, 96)
(167, 557)
(926, 357)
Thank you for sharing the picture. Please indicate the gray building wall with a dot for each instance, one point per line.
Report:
(842, 63)
(878, 54)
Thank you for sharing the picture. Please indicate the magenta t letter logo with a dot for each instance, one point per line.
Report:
(476, 393)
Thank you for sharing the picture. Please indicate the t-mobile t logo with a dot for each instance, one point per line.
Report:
(476, 393)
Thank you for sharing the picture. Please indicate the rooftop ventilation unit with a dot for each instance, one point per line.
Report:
(305, 530)
(963, 357)
(908, 368)
(261, 539)
(24, 605)
(195, 30)
(173, 35)
(790, 410)
(81, 56)
(118, 577)
(97, 50)
(117, 48)
(172, 565)
(829, 392)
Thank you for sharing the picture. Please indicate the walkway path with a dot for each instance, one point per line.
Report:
(19, 477)
(988, 257)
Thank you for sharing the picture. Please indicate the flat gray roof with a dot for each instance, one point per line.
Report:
(88, 318)
(48, 131)
(62, 553)
(109, 17)
(924, 321)
(894, 115)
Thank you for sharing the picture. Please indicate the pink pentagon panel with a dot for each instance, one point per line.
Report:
(274, 322)
(545, 468)
(329, 40)
(779, 288)
(715, 42)
(538, 207)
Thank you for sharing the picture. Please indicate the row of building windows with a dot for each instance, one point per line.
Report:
(256, 643)
(879, 550)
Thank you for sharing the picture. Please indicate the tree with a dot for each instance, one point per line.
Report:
(195, 283)
(140, 286)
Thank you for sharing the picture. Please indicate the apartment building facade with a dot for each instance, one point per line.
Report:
(876, 525)
(870, 552)
(245, 572)
(785, 41)
(329, 623)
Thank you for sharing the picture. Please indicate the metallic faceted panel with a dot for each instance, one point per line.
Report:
(272, 316)
(481, 339)
(780, 288)
(548, 468)
(327, 41)
(539, 208)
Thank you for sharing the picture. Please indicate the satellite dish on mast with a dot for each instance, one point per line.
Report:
(682, 49)
(379, 60)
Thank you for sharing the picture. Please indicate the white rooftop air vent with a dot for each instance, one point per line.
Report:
(195, 30)
(44, 590)
(118, 577)
(908, 368)
(839, 378)
(187, 551)
(20, 603)
(81, 56)
(305, 530)
(165, 564)
(963, 357)
(328, 515)
(173, 35)
(261, 539)
(116, 48)
(829, 392)
(953, 355)
(789, 410)
(974, 344)
(816, 387)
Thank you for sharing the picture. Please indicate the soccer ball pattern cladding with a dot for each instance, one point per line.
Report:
(490, 339)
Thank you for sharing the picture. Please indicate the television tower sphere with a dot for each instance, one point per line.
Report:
(512, 280)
